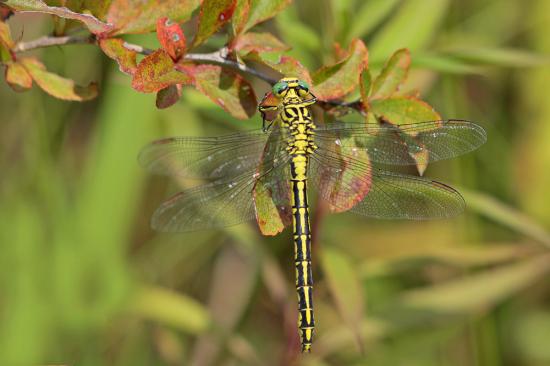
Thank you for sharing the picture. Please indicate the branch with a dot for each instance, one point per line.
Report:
(219, 57)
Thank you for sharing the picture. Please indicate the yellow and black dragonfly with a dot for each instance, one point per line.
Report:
(345, 162)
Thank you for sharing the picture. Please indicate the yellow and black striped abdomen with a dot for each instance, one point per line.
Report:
(302, 250)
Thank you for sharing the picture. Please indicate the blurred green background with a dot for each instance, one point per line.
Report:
(84, 280)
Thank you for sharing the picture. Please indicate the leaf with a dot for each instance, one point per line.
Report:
(501, 56)
(114, 48)
(171, 308)
(17, 77)
(171, 38)
(56, 85)
(365, 85)
(392, 75)
(213, 15)
(156, 72)
(95, 25)
(345, 287)
(168, 96)
(240, 16)
(412, 26)
(403, 110)
(226, 88)
(258, 42)
(5, 12)
(506, 215)
(273, 212)
(6, 43)
(258, 11)
(130, 16)
(370, 14)
(341, 199)
(335, 81)
(287, 66)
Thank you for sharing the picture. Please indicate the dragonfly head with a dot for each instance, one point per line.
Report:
(287, 91)
(291, 90)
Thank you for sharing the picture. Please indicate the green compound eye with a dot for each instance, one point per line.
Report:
(280, 87)
(302, 84)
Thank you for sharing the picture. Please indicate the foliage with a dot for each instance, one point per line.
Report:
(84, 281)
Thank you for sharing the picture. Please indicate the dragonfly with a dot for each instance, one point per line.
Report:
(346, 162)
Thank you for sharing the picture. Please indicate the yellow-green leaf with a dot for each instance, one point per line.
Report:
(392, 75)
(56, 85)
(337, 80)
(114, 48)
(403, 110)
(171, 308)
(345, 287)
(258, 42)
(17, 77)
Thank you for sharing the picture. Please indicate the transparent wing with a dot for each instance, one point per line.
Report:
(389, 144)
(353, 183)
(209, 157)
(225, 202)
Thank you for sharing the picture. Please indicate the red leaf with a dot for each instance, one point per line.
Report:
(258, 42)
(131, 16)
(56, 85)
(95, 25)
(337, 80)
(17, 77)
(214, 14)
(156, 72)
(5, 13)
(365, 84)
(168, 96)
(171, 38)
(114, 48)
(226, 88)
(286, 65)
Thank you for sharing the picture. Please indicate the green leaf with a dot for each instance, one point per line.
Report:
(56, 85)
(114, 48)
(95, 25)
(501, 56)
(365, 87)
(345, 287)
(224, 87)
(413, 26)
(337, 80)
(130, 16)
(168, 96)
(156, 72)
(213, 15)
(240, 16)
(506, 215)
(258, 42)
(392, 75)
(445, 64)
(371, 14)
(17, 77)
(171, 308)
(261, 10)
(403, 110)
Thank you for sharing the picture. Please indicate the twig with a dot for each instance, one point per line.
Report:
(47, 41)
(218, 57)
